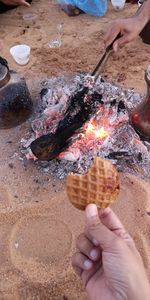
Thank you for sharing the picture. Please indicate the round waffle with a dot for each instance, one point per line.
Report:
(100, 185)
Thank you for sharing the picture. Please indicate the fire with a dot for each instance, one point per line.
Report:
(101, 133)
(98, 132)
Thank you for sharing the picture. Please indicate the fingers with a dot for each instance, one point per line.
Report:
(77, 270)
(126, 38)
(98, 231)
(84, 267)
(111, 35)
(120, 26)
(116, 46)
(80, 262)
(85, 259)
(87, 248)
(106, 230)
(24, 3)
(16, 2)
(111, 38)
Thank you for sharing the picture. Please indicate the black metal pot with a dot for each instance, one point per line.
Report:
(15, 100)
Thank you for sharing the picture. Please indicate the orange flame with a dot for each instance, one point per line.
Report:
(99, 133)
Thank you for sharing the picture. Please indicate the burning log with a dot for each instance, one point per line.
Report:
(80, 108)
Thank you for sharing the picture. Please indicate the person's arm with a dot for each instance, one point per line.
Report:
(15, 2)
(129, 28)
(143, 14)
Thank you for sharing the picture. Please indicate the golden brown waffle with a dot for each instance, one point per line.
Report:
(100, 185)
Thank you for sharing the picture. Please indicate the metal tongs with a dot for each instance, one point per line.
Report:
(49, 146)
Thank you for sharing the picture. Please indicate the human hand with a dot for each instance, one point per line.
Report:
(15, 2)
(129, 29)
(107, 260)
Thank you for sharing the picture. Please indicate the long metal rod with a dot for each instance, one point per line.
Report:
(104, 58)
(100, 65)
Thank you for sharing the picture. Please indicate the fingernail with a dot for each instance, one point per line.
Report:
(88, 264)
(94, 254)
(91, 210)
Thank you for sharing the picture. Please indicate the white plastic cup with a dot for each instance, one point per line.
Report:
(118, 4)
(21, 54)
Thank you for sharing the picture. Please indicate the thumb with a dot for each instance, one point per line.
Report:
(105, 238)
(23, 2)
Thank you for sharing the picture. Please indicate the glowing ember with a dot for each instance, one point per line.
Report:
(98, 132)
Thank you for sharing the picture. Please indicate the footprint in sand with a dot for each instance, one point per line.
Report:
(40, 248)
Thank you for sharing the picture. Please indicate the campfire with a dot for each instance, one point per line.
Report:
(107, 132)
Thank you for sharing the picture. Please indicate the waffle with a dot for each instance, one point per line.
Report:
(100, 185)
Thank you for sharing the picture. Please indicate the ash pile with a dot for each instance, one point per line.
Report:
(107, 133)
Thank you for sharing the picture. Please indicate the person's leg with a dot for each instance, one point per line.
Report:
(4, 8)
(145, 34)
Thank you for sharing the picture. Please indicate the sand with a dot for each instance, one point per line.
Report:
(38, 225)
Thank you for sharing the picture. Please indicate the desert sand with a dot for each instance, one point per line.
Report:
(38, 225)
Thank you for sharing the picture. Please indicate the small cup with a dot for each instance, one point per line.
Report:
(118, 4)
(21, 54)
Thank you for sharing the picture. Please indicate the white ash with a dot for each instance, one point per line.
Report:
(123, 145)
